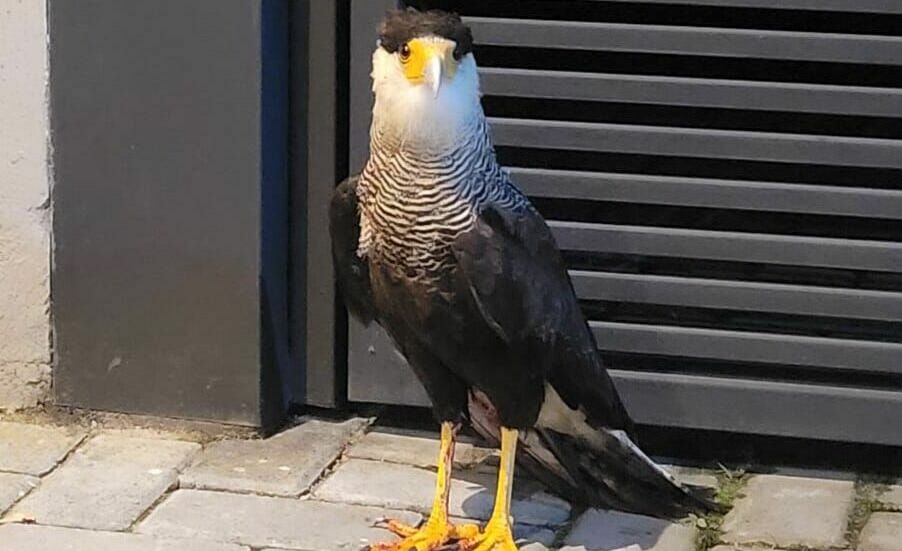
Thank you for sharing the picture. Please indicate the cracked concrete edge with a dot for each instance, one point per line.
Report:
(156, 504)
(24, 385)
(33, 483)
(341, 456)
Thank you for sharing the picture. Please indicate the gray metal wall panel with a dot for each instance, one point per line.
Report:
(156, 121)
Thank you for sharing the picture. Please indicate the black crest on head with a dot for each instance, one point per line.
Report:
(400, 26)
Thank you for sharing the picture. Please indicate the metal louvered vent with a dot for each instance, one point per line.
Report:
(725, 178)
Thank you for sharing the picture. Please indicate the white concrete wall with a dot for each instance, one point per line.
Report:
(24, 212)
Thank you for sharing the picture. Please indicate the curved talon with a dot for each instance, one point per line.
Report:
(397, 527)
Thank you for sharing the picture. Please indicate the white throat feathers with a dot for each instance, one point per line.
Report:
(421, 115)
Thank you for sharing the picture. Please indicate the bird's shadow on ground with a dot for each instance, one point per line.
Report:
(598, 530)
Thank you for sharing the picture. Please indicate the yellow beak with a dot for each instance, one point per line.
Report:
(430, 61)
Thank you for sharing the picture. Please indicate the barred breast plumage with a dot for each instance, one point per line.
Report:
(415, 201)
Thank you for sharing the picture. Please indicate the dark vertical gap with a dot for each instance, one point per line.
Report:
(342, 168)
(298, 67)
(279, 381)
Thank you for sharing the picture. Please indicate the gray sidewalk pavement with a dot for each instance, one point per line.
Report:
(322, 484)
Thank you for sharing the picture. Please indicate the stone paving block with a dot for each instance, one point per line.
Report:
(789, 511)
(416, 448)
(883, 532)
(533, 538)
(283, 465)
(13, 487)
(262, 521)
(23, 537)
(601, 530)
(107, 483)
(892, 497)
(403, 487)
(33, 449)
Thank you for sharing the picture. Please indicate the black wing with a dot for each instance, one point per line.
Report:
(518, 279)
(517, 276)
(351, 271)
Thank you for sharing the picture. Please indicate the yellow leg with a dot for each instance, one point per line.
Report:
(497, 534)
(437, 530)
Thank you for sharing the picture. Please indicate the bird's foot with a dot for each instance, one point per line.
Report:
(432, 536)
(497, 536)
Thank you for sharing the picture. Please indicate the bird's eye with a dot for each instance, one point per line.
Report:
(405, 52)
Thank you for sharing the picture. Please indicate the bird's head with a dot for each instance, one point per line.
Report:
(424, 75)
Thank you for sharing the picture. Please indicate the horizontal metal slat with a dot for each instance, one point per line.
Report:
(738, 295)
(695, 92)
(678, 400)
(869, 6)
(748, 346)
(707, 41)
(703, 192)
(697, 142)
(732, 246)
(762, 407)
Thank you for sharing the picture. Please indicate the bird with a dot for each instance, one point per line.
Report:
(433, 241)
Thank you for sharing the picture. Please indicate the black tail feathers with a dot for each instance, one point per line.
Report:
(603, 468)
(612, 472)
